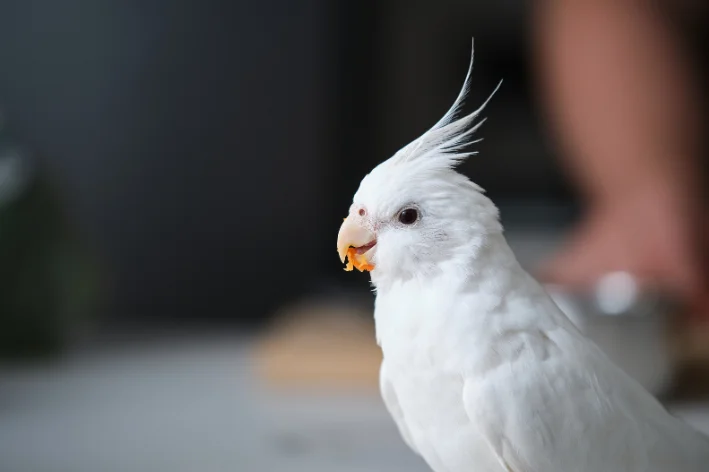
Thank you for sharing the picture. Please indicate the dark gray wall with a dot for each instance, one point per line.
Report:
(188, 136)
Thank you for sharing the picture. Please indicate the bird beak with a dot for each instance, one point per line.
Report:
(353, 234)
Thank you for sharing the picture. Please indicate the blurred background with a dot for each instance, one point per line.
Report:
(173, 176)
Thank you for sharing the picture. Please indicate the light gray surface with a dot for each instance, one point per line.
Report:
(184, 406)
(190, 406)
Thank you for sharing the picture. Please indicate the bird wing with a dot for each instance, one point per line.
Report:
(562, 405)
(391, 401)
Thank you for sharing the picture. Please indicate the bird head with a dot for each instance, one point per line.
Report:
(414, 212)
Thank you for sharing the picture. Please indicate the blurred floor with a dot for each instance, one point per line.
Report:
(178, 405)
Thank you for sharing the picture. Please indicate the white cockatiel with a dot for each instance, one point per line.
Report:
(482, 372)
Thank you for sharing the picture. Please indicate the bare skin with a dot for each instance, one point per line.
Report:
(624, 103)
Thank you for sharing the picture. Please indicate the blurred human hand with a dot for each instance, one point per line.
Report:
(649, 234)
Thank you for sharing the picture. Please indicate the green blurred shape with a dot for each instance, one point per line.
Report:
(48, 281)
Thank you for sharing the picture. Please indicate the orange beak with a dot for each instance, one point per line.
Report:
(353, 242)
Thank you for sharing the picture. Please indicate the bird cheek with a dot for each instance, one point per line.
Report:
(387, 246)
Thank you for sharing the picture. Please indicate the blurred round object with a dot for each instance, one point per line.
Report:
(629, 324)
(616, 293)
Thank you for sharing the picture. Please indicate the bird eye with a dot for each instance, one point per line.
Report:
(408, 216)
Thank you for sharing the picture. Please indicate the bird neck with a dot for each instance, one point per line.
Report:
(466, 302)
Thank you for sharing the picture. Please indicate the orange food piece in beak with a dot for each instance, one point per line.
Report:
(357, 261)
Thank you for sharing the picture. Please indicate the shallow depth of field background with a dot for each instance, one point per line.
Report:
(172, 179)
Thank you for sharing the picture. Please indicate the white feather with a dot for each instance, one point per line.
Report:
(441, 145)
(482, 372)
